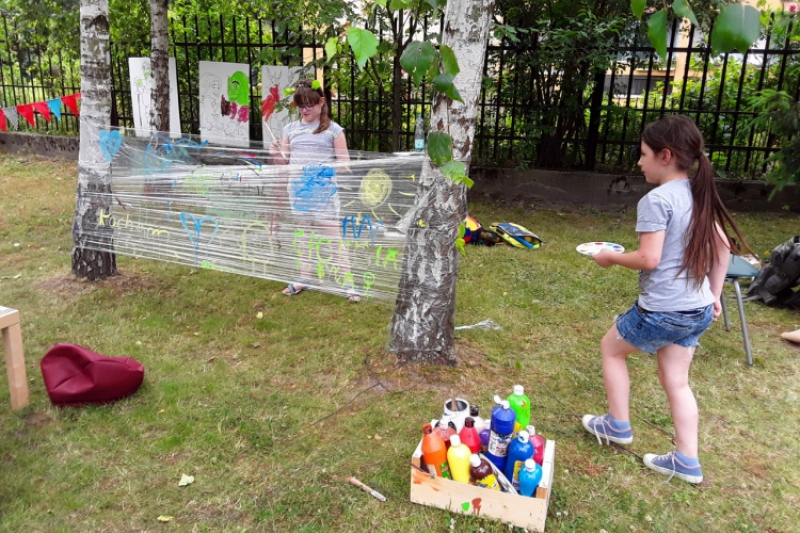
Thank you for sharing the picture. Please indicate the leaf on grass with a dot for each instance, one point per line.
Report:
(185, 480)
(363, 43)
(657, 32)
(737, 27)
(259, 315)
(164, 518)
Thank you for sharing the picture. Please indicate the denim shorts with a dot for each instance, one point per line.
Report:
(651, 330)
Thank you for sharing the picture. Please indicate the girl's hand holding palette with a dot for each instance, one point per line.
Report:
(592, 248)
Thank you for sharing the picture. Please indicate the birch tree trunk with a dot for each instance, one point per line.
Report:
(423, 327)
(94, 172)
(159, 65)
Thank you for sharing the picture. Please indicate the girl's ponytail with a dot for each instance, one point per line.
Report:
(683, 139)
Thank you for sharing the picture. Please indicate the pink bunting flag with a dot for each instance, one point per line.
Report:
(71, 102)
(3, 125)
(26, 110)
(43, 109)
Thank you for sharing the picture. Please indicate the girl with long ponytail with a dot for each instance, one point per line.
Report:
(682, 259)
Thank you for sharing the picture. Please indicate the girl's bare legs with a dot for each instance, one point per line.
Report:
(615, 351)
(673, 373)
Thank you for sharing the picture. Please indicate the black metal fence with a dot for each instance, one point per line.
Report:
(612, 109)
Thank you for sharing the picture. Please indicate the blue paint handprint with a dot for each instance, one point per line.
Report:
(110, 143)
(314, 190)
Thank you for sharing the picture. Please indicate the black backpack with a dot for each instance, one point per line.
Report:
(775, 280)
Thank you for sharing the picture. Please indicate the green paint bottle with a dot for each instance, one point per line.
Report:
(521, 405)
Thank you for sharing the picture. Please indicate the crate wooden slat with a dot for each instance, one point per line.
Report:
(521, 511)
(15, 360)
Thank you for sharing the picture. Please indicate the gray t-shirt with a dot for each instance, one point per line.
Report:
(669, 207)
(314, 190)
(309, 148)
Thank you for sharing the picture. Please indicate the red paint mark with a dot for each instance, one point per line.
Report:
(268, 104)
(476, 503)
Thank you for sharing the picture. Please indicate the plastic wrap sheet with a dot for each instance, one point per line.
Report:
(336, 226)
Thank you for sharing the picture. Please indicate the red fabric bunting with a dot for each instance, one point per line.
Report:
(3, 125)
(26, 110)
(43, 109)
(71, 102)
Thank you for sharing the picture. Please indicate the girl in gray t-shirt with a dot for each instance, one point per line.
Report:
(682, 259)
(311, 144)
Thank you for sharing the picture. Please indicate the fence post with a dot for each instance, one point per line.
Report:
(594, 120)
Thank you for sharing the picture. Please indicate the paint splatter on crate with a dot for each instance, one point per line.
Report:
(527, 513)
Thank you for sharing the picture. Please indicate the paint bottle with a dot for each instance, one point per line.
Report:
(519, 451)
(445, 431)
(434, 452)
(484, 434)
(538, 445)
(521, 405)
(480, 423)
(502, 427)
(529, 478)
(458, 459)
(469, 436)
(481, 473)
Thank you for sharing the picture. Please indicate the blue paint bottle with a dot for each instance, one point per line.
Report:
(519, 451)
(529, 478)
(502, 427)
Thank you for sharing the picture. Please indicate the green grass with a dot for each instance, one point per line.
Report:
(269, 414)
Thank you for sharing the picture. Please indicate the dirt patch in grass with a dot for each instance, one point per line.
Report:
(38, 419)
(70, 286)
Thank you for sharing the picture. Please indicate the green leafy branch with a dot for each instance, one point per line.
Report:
(736, 27)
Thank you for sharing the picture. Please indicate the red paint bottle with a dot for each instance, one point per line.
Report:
(469, 435)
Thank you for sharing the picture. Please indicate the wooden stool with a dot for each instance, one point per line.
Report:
(15, 360)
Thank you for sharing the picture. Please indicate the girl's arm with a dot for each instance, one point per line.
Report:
(646, 257)
(340, 147)
(280, 151)
(719, 269)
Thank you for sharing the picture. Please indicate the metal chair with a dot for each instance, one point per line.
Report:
(737, 269)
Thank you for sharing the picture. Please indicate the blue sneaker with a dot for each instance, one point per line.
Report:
(671, 466)
(600, 427)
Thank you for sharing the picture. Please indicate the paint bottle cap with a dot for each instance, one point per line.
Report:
(530, 465)
(475, 460)
(455, 440)
(523, 436)
(519, 390)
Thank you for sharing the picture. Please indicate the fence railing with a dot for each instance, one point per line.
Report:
(598, 134)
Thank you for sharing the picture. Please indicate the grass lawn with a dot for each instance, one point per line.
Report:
(270, 414)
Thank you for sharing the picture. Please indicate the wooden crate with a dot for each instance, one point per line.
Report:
(521, 511)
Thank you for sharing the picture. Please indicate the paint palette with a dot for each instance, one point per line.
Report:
(592, 248)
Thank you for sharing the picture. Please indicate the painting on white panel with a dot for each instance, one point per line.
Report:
(225, 103)
(141, 89)
(274, 104)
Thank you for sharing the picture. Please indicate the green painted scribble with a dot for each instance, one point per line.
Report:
(239, 88)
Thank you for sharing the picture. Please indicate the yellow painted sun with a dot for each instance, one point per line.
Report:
(375, 188)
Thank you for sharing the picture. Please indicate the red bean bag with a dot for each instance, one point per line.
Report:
(74, 375)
